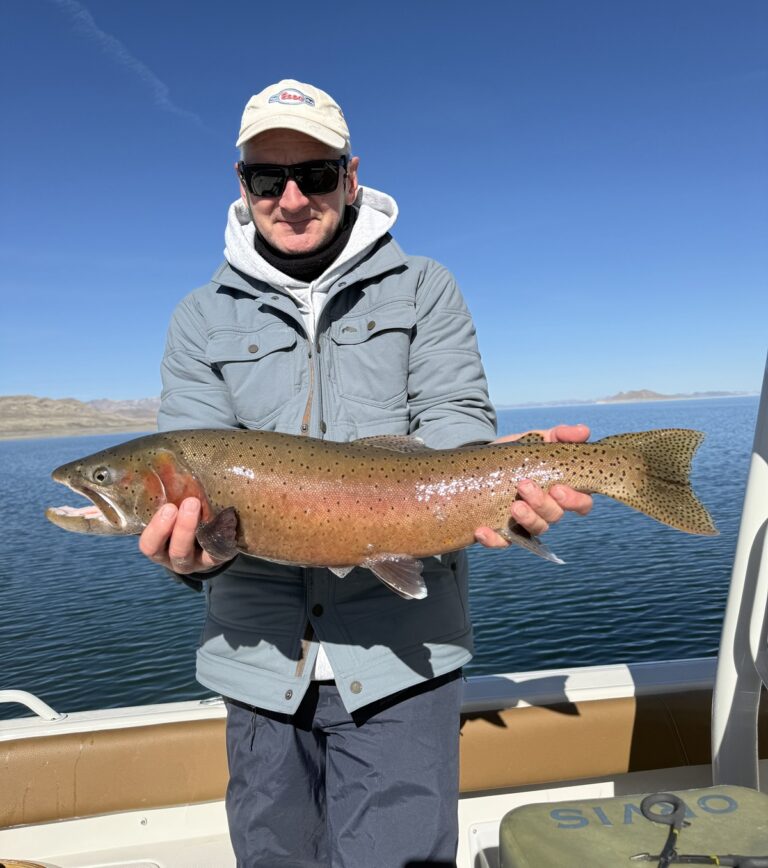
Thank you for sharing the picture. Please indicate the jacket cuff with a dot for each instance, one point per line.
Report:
(196, 581)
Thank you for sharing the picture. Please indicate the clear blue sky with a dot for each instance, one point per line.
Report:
(593, 171)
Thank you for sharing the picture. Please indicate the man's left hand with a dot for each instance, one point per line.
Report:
(537, 509)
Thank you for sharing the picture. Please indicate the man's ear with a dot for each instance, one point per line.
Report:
(350, 194)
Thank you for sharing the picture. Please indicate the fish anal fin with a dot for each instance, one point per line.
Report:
(394, 442)
(219, 536)
(517, 534)
(400, 573)
(341, 571)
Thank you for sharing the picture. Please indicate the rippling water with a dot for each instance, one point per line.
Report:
(87, 622)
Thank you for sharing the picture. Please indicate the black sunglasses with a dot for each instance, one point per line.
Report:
(313, 178)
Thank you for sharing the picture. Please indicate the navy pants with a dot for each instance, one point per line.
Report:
(324, 788)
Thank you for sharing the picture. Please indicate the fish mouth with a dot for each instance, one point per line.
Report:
(102, 516)
(108, 509)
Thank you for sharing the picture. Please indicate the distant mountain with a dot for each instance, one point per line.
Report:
(626, 397)
(30, 416)
(142, 408)
(648, 395)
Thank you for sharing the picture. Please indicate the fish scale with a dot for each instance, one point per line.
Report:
(382, 503)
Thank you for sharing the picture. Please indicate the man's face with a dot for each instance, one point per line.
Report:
(293, 222)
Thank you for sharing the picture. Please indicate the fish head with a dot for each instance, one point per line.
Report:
(126, 486)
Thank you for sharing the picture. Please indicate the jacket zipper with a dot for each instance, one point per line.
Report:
(313, 353)
(305, 421)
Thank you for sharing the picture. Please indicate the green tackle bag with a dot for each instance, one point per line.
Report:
(604, 833)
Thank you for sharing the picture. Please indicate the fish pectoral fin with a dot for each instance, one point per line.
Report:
(400, 573)
(517, 534)
(341, 571)
(394, 442)
(219, 536)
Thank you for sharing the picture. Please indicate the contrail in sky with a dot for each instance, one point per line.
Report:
(84, 23)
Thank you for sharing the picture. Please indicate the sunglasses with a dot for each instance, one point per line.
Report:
(313, 178)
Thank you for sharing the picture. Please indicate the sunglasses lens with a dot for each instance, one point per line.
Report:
(317, 178)
(266, 182)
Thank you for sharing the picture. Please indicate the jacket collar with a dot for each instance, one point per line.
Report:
(385, 256)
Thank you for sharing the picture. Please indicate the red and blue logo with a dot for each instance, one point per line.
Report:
(292, 96)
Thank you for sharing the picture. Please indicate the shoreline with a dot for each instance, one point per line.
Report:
(600, 403)
(146, 427)
(90, 431)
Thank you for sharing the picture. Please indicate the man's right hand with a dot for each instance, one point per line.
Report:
(169, 539)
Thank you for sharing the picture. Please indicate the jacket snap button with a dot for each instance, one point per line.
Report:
(342, 283)
(371, 325)
(253, 348)
(323, 427)
(317, 609)
(288, 694)
(355, 687)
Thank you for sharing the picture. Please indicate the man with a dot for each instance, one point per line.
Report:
(342, 698)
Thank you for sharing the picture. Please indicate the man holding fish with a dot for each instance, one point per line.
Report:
(343, 698)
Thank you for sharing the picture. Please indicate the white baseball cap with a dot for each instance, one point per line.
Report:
(292, 105)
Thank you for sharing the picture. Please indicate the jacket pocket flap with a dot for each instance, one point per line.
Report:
(355, 330)
(249, 346)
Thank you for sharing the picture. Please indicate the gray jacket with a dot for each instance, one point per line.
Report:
(394, 352)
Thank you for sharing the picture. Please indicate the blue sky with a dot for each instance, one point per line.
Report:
(594, 173)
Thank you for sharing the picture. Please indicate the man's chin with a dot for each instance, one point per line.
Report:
(298, 244)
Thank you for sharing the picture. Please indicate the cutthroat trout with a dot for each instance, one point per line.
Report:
(381, 503)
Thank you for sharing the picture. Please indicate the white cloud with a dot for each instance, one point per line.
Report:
(83, 22)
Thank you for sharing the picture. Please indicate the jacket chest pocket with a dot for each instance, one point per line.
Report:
(371, 354)
(260, 369)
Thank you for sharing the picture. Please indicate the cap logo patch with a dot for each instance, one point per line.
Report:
(292, 96)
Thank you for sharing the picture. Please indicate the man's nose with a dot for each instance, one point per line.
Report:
(293, 199)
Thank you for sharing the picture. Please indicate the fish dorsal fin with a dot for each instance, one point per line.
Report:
(518, 535)
(401, 573)
(530, 439)
(395, 442)
(219, 536)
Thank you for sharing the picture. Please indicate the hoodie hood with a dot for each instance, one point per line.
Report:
(377, 213)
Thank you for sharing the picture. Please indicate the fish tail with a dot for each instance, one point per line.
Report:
(661, 486)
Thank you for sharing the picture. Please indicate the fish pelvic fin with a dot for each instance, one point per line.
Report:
(219, 536)
(400, 573)
(518, 535)
(663, 491)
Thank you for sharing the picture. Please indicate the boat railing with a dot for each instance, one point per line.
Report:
(32, 702)
(742, 668)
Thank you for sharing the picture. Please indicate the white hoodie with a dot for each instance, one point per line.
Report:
(377, 214)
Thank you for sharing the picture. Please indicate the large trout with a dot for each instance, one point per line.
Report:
(381, 503)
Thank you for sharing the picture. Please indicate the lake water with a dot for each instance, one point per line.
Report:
(88, 622)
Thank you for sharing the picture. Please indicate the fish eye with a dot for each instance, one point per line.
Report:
(102, 475)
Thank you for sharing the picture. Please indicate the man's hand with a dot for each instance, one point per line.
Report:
(169, 539)
(537, 509)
